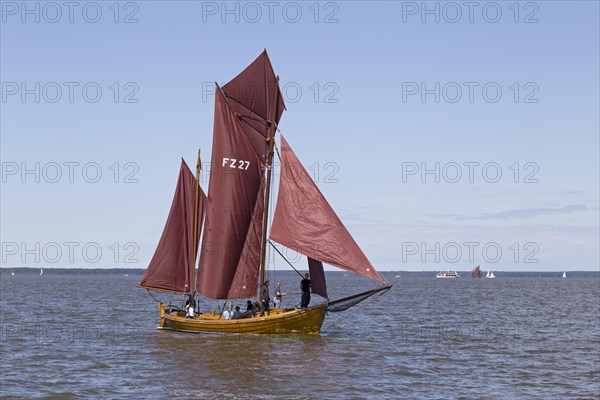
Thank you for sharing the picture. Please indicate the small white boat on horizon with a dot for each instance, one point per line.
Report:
(564, 275)
(490, 275)
(41, 271)
(447, 275)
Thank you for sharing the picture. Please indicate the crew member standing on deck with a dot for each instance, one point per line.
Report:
(265, 299)
(305, 285)
(278, 295)
(189, 310)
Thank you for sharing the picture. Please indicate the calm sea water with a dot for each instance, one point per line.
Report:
(94, 336)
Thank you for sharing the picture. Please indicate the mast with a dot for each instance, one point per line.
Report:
(195, 247)
(271, 143)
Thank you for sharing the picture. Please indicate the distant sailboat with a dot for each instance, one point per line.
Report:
(476, 272)
(487, 275)
(41, 271)
(492, 275)
(564, 275)
(12, 273)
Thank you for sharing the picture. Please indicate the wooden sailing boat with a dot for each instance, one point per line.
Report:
(476, 272)
(234, 218)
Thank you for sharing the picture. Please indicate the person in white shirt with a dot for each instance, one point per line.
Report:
(189, 313)
(278, 295)
(228, 313)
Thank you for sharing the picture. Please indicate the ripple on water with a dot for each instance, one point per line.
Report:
(513, 338)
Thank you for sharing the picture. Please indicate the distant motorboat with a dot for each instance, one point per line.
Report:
(126, 275)
(564, 275)
(397, 276)
(447, 275)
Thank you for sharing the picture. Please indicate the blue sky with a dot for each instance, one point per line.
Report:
(499, 103)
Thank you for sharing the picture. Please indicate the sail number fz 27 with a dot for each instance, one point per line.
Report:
(234, 163)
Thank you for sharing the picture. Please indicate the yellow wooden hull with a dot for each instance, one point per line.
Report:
(278, 321)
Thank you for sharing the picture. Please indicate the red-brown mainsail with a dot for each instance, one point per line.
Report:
(246, 111)
(171, 268)
(234, 189)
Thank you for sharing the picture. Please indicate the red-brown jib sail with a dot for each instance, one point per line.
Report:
(171, 267)
(305, 222)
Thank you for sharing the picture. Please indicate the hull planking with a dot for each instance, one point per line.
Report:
(278, 321)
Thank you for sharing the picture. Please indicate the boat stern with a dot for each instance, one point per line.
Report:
(161, 311)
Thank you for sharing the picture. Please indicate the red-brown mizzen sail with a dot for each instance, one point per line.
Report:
(235, 187)
(255, 96)
(305, 222)
(171, 267)
(317, 277)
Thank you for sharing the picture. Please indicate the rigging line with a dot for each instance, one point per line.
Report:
(260, 118)
(277, 149)
(248, 119)
(286, 260)
(271, 201)
(151, 295)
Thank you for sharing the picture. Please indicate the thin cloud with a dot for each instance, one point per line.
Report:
(528, 212)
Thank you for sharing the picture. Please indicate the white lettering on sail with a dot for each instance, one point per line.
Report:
(235, 163)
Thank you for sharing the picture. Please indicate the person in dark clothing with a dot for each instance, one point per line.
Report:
(237, 314)
(265, 299)
(250, 311)
(305, 285)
